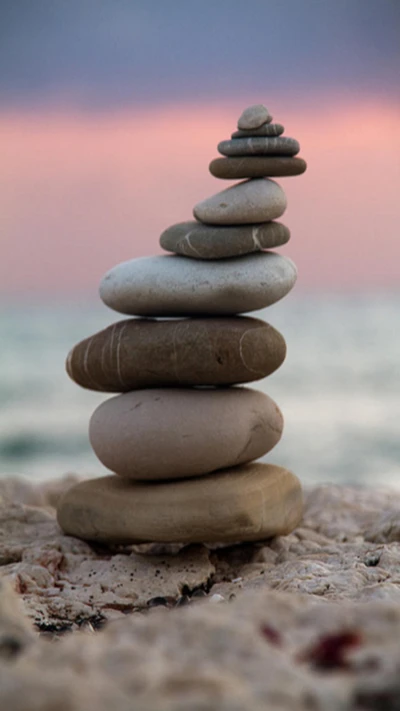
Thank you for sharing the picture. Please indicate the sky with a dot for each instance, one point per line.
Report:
(111, 110)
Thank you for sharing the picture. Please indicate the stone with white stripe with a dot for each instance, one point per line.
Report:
(147, 353)
(259, 145)
(200, 241)
(256, 167)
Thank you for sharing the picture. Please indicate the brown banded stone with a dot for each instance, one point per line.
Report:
(281, 145)
(171, 433)
(254, 116)
(267, 129)
(200, 241)
(256, 167)
(141, 353)
(247, 503)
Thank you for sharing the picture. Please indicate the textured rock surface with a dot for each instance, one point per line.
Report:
(256, 167)
(193, 239)
(259, 145)
(267, 649)
(245, 503)
(254, 116)
(141, 353)
(244, 203)
(64, 582)
(347, 547)
(267, 129)
(168, 433)
(177, 286)
(16, 632)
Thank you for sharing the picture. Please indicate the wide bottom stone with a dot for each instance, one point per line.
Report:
(252, 502)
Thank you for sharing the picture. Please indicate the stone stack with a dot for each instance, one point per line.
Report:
(182, 437)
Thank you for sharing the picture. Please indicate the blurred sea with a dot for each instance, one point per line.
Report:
(339, 388)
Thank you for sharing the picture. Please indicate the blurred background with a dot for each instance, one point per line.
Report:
(110, 111)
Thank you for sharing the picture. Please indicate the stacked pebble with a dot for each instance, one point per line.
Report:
(180, 438)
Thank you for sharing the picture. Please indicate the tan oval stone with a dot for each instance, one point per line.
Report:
(140, 353)
(254, 117)
(200, 241)
(183, 432)
(246, 503)
(256, 167)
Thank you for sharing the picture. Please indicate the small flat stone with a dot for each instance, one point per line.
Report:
(199, 241)
(245, 203)
(178, 286)
(141, 353)
(282, 146)
(267, 129)
(170, 433)
(254, 117)
(247, 503)
(256, 167)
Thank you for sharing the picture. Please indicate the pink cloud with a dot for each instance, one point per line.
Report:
(81, 193)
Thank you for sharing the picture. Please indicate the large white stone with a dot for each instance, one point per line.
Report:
(177, 286)
(170, 433)
(248, 202)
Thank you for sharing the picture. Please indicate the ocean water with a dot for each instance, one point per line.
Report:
(339, 388)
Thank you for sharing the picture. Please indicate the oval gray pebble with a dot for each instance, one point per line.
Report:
(256, 167)
(174, 285)
(199, 241)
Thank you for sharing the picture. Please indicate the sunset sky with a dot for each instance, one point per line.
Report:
(110, 113)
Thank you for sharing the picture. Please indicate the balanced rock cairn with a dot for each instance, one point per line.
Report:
(181, 441)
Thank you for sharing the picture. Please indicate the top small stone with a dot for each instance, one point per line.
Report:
(254, 117)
